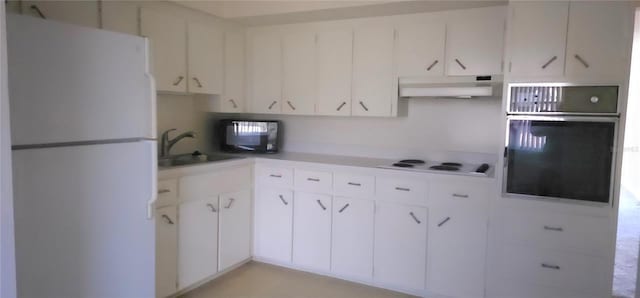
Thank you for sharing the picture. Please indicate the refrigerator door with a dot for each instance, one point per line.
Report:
(72, 84)
(81, 220)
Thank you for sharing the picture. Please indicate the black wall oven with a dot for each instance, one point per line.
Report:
(561, 142)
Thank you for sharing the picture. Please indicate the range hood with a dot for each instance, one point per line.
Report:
(454, 87)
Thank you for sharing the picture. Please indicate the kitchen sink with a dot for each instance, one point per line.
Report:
(188, 159)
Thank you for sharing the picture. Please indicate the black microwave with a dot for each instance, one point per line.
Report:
(260, 136)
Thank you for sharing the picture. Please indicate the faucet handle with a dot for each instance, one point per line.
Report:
(166, 132)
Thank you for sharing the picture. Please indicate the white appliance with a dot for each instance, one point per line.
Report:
(84, 159)
(450, 86)
(428, 166)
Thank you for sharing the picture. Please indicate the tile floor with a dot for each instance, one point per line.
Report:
(258, 280)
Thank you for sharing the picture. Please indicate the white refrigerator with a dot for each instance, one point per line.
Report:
(84, 160)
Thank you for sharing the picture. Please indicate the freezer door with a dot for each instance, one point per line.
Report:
(69, 83)
(81, 221)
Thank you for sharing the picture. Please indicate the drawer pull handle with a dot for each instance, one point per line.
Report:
(180, 78)
(321, 205)
(549, 62)
(275, 176)
(556, 229)
(230, 203)
(197, 82)
(283, 200)
(460, 64)
(354, 184)
(581, 60)
(164, 191)
(272, 104)
(343, 208)
(363, 106)
(403, 189)
(414, 217)
(432, 65)
(341, 105)
(444, 221)
(554, 267)
(291, 105)
(313, 179)
(213, 209)
(233, 102)
(167, 219)
(457, 195)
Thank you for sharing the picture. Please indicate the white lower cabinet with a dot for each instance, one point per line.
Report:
(400, 249)
(235, 228)
(312, 231)
(166, 251)
(197, 241)
(273, 224)
(352, 238)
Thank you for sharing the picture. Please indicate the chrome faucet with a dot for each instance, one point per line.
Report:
(166, 144)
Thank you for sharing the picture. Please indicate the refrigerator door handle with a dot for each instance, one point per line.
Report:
(152, 94)
(151, 204)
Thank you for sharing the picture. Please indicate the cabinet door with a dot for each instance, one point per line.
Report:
(457, 248)
(273, 224)
(400, 249)
(166, 251)
(205, 59)
(299, 68)
(475, 42)
(334, 52)
(266, 73)
(420, 47)
(233, 99)
(352, 238)
(372, 70)
(537, 38)
(597, 39)
(235, 228)
(168, 42)
(312, 231)
(82, 13)
(198, 241)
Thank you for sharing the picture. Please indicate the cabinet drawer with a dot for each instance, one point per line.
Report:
(313, 181)
(167, 192)
(212, 184)
(569, 271)
(274, 176)
(569, 232)
(349, 185)
(458, 190)
(400, 190)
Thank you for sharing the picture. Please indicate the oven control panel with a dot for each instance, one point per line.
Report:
(538, 99)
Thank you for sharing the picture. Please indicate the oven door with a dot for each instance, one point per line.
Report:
(566, 158)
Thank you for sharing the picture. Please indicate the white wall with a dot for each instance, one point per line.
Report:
(7, 254)
(631, 156)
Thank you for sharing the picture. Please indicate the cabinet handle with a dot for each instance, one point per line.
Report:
(313, 179)
(213, 209)
(432, 65)
(460, 64)
(233, 102)
(180, 78)
(230, 203)
(321, 205)
(549, 62)
(164, 190)
(548, 266)
(444, 221)
(457, 195)
(272, 104)
(343, 208)
(197, 82)
(586, 65)
(275, 176)
(283, 201)
(403, 189)
(291, 105)
(363, 106)
(354, 184)
(167, 219)
(414, 217)
(555, 229)
(38, 11)
(341, 105)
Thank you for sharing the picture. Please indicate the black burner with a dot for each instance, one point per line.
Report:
(412, 161)
(451, 164)
(402, 165)
(444, 167)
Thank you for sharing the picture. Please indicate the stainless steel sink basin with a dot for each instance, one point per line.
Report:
(188, 159)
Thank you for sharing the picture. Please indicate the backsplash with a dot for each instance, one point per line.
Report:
(181, 112)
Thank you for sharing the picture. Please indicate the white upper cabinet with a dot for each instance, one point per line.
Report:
(420, 46)
(232, 100)
(475, 41)
(168, 39)
(537, 38)
(597, 42)
(373, 69)
(334, 50)
(265, 56)
(205, 51)
(83, 13)
(299, 69)
(312, 231)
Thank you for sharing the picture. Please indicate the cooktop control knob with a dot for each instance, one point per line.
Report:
(594, 99)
